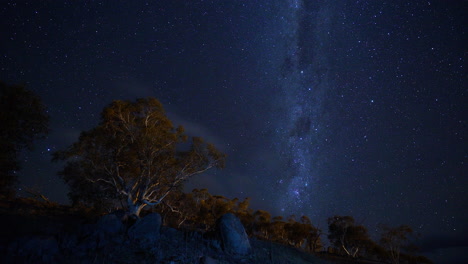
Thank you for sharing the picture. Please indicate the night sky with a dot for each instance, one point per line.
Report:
(323, 107)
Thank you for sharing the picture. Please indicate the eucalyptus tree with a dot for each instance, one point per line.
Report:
(23, 119)
(135, 154)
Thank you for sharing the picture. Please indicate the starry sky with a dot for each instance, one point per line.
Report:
(323, 107)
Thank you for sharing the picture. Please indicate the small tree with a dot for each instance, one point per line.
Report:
(261, 223)
(313, 234)
(134, 154)
(23, 119)
(314, 243)
(394, 239)
(346, 235)
(245, 214)
(277, 232)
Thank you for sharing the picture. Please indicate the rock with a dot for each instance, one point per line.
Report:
(109, 229)
(120, 213)
(208, 260)
(146, 231)
(109, 224)
(233, 237)
(215, 245)
(169, 232)
(176, 259)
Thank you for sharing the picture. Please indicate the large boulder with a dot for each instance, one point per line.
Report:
(109, 229)
(109, 224)
(146, 231)
(233, 236)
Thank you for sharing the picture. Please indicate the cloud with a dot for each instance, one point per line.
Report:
(194, 129)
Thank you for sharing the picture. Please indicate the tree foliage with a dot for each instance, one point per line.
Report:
(394, 239)
(344, 234)
(200, 211)
(134, 154)
(23, 119)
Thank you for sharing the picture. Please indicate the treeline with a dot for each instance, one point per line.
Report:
(199, 211)
(351, 239)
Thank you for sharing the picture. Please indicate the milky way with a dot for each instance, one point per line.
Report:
(304, 82)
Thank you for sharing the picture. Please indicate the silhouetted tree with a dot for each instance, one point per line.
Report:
(396, 239)
(23, 119)
(376, 251)
(134, 154)
(312, 234)
(344, 234)
(261, 226)
(277, 232)
(314, 243)
(245, 214)
(212, 208)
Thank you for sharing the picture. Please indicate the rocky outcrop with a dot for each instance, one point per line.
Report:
(234, 239)
(146, 231)
(107, 240)
(109, 229)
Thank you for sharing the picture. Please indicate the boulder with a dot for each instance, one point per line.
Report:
(120, 213)
(146, 231)
(233, 236)
(109, 224)
(109, 229)
(208, 260)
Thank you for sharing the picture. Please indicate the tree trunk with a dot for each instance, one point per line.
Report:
(134, 208)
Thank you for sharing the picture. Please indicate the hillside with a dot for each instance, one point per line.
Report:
(42, 232)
